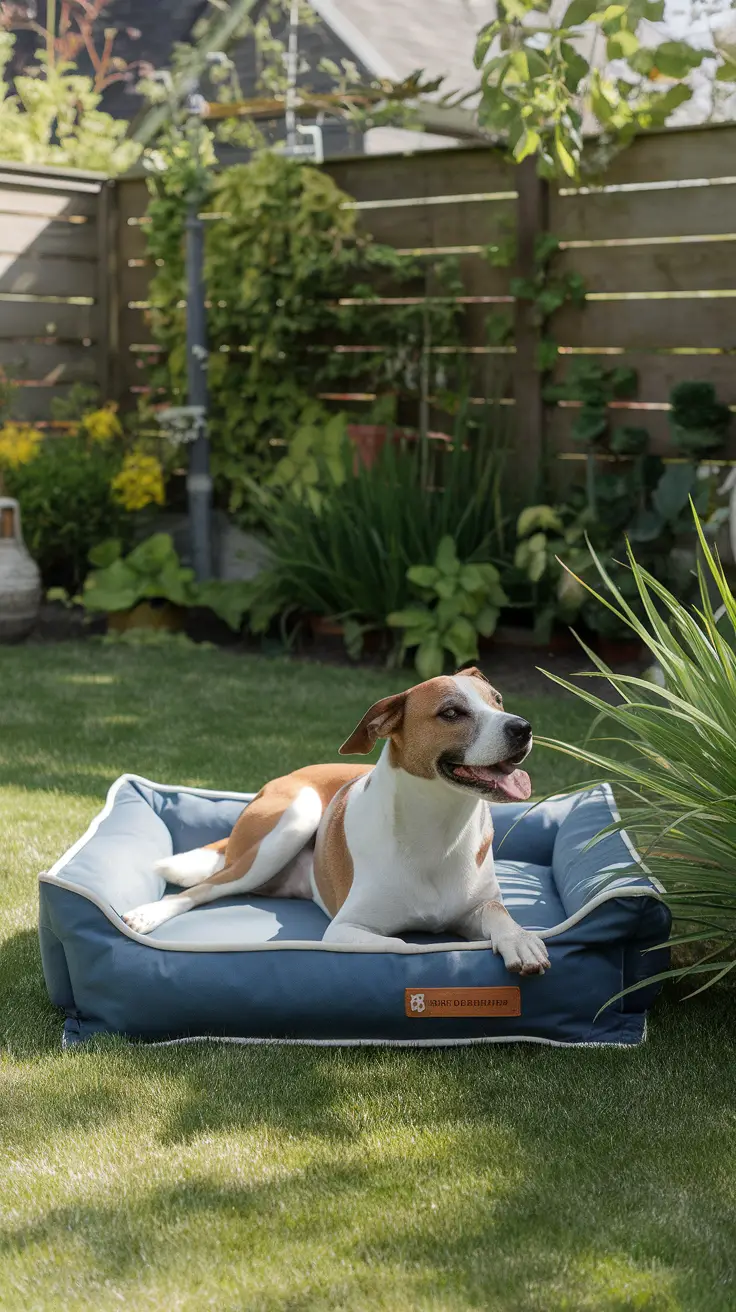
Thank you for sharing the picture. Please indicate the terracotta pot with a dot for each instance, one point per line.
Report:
(323, 627)
(147, 615)
(370, 439)
(20, 578)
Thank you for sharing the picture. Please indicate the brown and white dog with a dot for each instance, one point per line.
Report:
(405, 845)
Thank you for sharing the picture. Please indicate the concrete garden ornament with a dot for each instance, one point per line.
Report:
(20, 579)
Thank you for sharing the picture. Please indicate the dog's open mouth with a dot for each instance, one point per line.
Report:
(503, 780)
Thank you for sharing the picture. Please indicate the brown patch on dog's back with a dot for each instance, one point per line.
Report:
(333, 864)
(261, 817)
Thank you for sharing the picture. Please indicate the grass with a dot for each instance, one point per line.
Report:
(518, 1180)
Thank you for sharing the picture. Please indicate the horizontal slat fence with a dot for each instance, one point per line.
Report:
(56, 259)
(655, 245)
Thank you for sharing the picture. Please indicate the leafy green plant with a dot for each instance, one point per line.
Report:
(153, 571)
(50, 113)
(680, 777)
(544, 72)
(350, 560)
(315, 457)
(699, 422)
(68, 504)
(544, 534)
(460, 601)
(547, 292)
(286, 275)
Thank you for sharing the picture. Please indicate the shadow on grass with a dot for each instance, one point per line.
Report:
(514, 1180)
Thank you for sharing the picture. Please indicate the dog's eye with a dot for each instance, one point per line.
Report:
(451, 713)
(498, 698)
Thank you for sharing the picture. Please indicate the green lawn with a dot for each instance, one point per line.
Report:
(519, 1179)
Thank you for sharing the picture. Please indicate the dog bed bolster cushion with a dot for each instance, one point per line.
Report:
(255, 968)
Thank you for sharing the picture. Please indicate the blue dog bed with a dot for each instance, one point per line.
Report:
(255, 968)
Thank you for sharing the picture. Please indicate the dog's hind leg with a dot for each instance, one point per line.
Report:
(189, 868)
(271, 832)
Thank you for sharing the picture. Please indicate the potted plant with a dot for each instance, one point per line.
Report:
(149, 588)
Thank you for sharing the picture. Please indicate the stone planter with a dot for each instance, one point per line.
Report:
(20, 578)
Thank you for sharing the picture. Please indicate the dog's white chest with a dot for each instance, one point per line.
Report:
(410, 876)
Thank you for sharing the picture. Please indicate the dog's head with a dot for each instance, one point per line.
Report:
(453, 729)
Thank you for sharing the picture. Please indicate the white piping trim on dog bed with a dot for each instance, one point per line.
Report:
(52, 876)
(389, 1043)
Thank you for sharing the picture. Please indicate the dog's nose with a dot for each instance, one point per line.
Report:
(518, 732)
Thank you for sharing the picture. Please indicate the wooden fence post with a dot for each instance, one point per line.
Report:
(108, 310)
(532, 218)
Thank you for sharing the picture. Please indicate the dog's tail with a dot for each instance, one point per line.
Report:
(191, 868)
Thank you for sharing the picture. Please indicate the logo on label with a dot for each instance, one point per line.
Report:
(504, 1001)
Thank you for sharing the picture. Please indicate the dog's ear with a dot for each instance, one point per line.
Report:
(472, 672)
(383, 719)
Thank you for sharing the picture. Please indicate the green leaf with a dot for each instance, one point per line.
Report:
(418, 617)
(484, 42)
(446, 558)
(590, 423)
(533, 518)
(537, 567)
(151, 556)
(622, 44)
(486, 621)
(673, 491)
(105, 553)
(564, 156)
(461, 640)
(424, 576)
(446, 587)
(579, 12)
(114, 588)
(678, 58)
(527, 144)
(726, 72)
(429, 659)
(522, 556)
(472, 578)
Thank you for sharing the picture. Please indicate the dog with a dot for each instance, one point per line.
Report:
(402, 846)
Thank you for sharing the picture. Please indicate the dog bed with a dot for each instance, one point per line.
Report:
(255, 969)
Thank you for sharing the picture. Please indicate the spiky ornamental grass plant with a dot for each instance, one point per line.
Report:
(678, 778)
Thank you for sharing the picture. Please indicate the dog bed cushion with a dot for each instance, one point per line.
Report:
(255, 968)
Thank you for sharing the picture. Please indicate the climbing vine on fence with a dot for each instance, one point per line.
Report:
(289, 279)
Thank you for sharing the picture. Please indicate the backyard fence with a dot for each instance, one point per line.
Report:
(56, 260)
(656, 247)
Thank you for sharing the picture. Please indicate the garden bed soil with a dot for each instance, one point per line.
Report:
(514, 669)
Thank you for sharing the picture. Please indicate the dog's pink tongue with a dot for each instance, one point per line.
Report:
(515, 787)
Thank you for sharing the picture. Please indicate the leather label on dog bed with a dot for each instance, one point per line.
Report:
(421, 1004)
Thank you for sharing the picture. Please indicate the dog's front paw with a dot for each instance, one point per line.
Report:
(144, 919)
(523, 953)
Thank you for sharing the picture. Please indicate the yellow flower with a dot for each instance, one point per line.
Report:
(140, 481)
(19, 445)
(102, 425)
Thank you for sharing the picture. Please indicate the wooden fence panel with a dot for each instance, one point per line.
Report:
(655, 245)
(53, 291)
